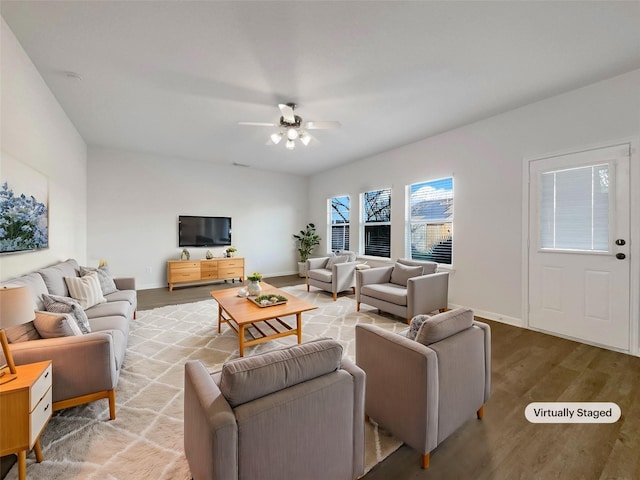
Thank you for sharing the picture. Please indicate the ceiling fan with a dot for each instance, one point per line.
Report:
(292, 126)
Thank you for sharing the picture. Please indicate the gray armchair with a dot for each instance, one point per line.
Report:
(406, 289)
(291, 413)
(333, 274)
(423, 390)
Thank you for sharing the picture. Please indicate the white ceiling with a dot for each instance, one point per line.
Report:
(173, 78)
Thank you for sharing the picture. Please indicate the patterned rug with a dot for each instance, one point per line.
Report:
(145, 441)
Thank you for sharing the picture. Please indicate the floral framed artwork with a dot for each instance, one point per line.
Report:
(24, 207)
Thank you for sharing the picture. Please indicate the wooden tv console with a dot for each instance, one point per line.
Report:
(188, 271)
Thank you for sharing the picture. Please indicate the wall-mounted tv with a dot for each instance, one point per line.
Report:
(203, 231)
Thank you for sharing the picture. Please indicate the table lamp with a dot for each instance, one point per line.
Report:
(16, 308)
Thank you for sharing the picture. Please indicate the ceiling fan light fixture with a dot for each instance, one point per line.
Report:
(305, 138)
(290, 145)
(276, 137)
(292, 133)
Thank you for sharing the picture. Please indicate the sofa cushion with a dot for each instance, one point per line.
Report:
(123, 296)
(401, 274)
(36, 286)
(428, 267)
(107, 285)
(321, 274)
(54, 326)
(444, 325)
(86, 290)
(57, 304)
(22, 333)
(108, 309)
(54, 276)
(336, 259)
(116, 322)
(248, 378)
(388, 292)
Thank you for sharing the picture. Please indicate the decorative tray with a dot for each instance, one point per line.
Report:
(268, 300)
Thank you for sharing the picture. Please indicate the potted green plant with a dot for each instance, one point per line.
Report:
(307, 240)
(253, 286)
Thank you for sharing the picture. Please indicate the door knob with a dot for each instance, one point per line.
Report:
(620, 242)
(620, 256)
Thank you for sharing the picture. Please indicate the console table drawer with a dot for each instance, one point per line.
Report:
(185, 275)
(230, 272)
(180, 265)
(211, 273)
(231, 263)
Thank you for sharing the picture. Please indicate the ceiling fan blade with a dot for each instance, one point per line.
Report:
(258, 124)
(311, 125)
(287, 113)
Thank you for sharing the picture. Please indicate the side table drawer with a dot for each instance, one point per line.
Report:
(40, 416)
(40, 387)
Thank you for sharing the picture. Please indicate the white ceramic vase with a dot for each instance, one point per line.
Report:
(254, 288)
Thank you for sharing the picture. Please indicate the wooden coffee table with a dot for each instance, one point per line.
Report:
(260, 323)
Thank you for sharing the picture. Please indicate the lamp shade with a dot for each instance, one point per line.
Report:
(16, 306)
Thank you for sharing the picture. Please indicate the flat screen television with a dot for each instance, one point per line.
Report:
(203, 231)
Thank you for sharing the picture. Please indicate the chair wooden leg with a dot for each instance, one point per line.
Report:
(480, 412)
(425, 460)
(307, 286)
(357, 306)
(112, 404)
(408, 321)
(366, 418)
(335, 297)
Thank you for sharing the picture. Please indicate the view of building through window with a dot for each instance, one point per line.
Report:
(431, 220)
(339, 211)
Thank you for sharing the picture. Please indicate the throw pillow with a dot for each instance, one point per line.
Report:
(336, 259)
(54, 326)
(414, 327)
(401, 274)
(86, 290)
(107, 285)
(22, 333)
(444, 325)
(56, 304)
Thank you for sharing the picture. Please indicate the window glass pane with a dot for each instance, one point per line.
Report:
(431, 220)
(574, 209)
(340, 214)
(377, 222)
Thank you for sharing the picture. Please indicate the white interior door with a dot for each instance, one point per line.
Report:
(579, 283)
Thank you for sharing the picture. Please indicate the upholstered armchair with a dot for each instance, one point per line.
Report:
(406, 289)
(424, 389)
(297, 413)
(332, 274)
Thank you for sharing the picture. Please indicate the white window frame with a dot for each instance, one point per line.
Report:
(330, 223)
(363, 224)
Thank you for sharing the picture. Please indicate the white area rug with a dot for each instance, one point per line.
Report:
(145, 441)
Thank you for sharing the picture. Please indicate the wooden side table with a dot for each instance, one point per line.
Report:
(25, 409)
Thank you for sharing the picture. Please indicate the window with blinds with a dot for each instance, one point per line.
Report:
(376, 223)
(339, 219)
(574, 209)
(431, 220)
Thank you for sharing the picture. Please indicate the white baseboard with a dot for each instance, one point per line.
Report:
(497, 317)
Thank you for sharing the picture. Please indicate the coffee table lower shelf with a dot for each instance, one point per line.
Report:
(260, 331)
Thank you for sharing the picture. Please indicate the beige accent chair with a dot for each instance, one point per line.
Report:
(294, 413)
(333, 274)
(423, 390)
(406, 289)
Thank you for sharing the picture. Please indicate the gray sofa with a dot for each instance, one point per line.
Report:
(292, 413)
(85, 367)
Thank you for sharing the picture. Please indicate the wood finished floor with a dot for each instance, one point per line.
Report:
(527, 366)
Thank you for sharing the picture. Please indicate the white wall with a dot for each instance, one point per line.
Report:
(37, 132)
(134, 201)
(486, 160)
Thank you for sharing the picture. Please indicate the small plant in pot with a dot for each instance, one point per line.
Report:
(307, 241)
